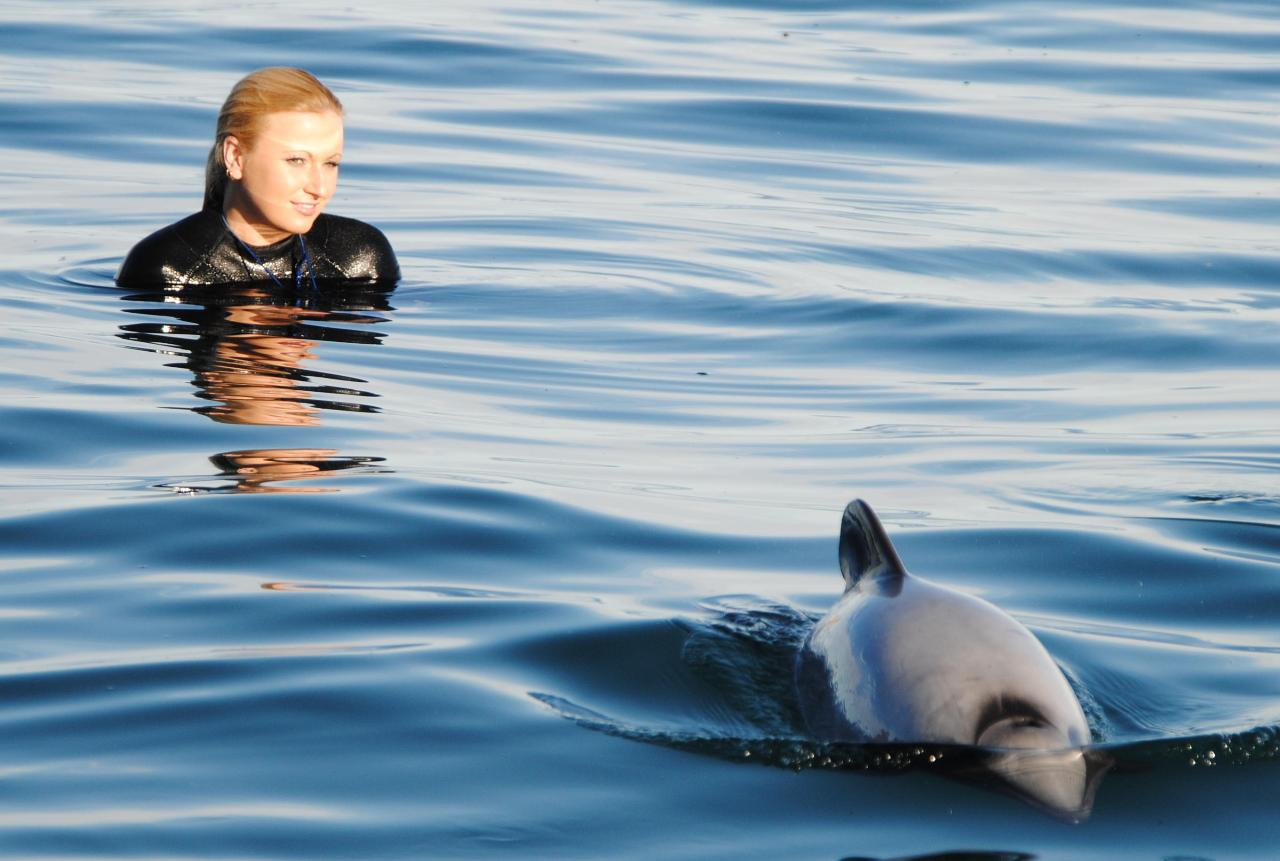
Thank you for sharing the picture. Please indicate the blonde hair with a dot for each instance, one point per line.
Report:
(266, 91)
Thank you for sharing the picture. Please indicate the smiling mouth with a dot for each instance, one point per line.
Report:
(306, 208)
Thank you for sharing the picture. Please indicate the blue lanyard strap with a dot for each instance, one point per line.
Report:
(297, 272)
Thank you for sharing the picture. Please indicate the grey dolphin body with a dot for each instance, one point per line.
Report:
(900, 659)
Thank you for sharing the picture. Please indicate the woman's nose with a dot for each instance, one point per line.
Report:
(316, 185)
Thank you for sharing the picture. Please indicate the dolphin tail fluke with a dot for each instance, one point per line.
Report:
(866, 553)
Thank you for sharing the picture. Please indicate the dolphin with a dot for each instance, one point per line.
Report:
(900, 659)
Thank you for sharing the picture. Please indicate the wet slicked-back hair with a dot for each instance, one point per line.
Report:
(266, 91)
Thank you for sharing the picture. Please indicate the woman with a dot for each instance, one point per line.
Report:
(272, 169)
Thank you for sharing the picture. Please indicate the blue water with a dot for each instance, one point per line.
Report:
(511, 560)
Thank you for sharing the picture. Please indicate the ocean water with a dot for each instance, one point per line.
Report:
(512, 560)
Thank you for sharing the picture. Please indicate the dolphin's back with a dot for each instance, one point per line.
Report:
(899, 658)
(928, 664)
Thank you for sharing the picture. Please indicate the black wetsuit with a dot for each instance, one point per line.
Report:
(200, 249)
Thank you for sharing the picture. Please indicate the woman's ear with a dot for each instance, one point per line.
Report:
(233, 157)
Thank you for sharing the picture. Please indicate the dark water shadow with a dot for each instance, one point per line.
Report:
(960, 855)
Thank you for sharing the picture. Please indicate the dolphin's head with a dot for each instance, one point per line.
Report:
(1060, 782)
(1040, 763)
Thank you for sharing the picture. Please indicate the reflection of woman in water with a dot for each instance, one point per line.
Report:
(247, 346)
(272, 168)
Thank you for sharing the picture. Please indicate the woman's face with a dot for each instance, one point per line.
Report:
(283, 181)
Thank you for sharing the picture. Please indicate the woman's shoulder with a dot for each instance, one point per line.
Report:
(172, 253)
(353, 249)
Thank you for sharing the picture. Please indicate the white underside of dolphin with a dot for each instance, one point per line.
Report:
(900, 659)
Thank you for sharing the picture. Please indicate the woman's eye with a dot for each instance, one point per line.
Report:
(296, 160)
(333, 164)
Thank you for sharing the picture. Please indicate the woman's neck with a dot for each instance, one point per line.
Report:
(250, 231)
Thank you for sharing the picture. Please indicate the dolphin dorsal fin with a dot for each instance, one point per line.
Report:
(866, 553)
